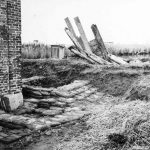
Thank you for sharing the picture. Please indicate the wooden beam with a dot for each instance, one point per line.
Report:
(76, 52)
(81, 53)
(83, 36)
(81, 42)
(117, 59)
(101, 46)
(74, 40)
(70, 27)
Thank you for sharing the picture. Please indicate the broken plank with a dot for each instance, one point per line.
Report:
(116, 59)
(81, 55)
(79, 51)
(83, 36)
(80, 42)
(70, 27)
(74, 40)
(101, 45)
(98, 59)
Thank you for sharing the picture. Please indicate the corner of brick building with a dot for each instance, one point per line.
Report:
(10, 54)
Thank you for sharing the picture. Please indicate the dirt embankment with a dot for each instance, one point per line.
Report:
(57, 73)
(112, 83)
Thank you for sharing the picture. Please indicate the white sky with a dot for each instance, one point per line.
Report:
(120, 21)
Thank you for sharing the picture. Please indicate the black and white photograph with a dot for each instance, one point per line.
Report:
(74, 75)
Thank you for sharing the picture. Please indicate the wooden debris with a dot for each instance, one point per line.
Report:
(83, 36)
(74, 40)
(98, 59)
(83, 49)
(118, 60)
(78, 51)
(70, 27)
(102, 49)
(88, 56)
(101, 46)
(75, 51)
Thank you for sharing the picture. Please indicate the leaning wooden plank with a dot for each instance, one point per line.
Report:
(81, 42)
(116, 59)
(70, 27)
(98, 59)
(83, 36)
(81, 55)
(101, 46)
(74, 40)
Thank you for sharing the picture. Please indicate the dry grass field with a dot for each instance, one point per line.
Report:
(36, 51)
(43, 51)
(129, 50)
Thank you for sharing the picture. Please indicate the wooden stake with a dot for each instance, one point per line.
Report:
(101, 45)
(70, 27)
(81, 55)
(74, 40)
(117, 59)
(83, 36)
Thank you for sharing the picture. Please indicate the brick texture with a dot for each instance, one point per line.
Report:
(10, 46)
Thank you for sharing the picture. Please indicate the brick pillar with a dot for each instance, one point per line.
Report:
(10, 47)
(14, 49)
(3, 48)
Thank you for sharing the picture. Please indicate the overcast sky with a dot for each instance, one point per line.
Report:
(119, 21)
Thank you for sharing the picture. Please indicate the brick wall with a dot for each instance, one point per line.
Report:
(10, 46)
